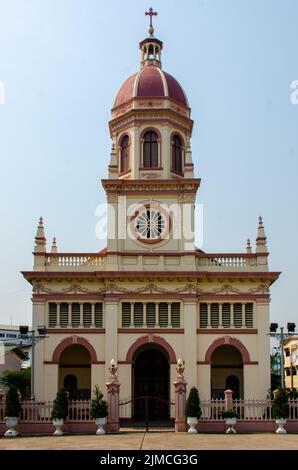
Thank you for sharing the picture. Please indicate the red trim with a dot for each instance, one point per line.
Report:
(52, 362)
(191, 275)
(128, 192)
(231, 342)
(183, 182)
(151, 340)
(233, 297)
(59, 296)
(171, 331)
(251, 363)
(69, 342)
(155, 168)
(95, 331)
(238, 331)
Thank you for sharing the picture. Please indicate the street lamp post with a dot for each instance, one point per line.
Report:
(31, 336)
(281, 337)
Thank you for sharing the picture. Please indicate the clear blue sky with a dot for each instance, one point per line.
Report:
(62, 62)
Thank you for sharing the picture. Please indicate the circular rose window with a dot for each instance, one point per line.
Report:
(150, 224)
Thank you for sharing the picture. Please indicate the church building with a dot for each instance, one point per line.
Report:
(151, 297)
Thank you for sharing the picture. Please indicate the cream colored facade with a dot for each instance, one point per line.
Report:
(148, 302)
(291, 362)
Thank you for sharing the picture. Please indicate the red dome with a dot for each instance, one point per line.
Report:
(151, 82)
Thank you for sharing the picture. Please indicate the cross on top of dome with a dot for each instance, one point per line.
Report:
(151, 13)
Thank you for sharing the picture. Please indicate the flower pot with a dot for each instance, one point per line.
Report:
(281, 423)
(230, 422)
(192, 422)
(58, 423)
(11, 423)
(100, 423)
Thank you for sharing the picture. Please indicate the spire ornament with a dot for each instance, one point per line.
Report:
(54, 248)
(151, 13)
(40, 239)
(261, 238)
(248, 246)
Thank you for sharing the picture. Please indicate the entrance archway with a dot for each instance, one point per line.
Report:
(226, 371)
(75, 372)
(151, 378)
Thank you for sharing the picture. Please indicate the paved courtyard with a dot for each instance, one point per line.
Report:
(154, 441)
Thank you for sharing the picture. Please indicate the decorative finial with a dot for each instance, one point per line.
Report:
(180, 367)
(248, 246)
(40, 239)
(54, 248)
(261, 238)
(113, 369)
(151, 13)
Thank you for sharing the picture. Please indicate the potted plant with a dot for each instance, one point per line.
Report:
(60, 411)
(193, 410)
(99, 410)
(12, 411)
(280, 409)
(230, 416)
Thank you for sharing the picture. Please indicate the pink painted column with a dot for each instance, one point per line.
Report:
(180, 398)
(228, 399)
(113, 387)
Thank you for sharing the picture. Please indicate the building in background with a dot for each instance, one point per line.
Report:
(291, 362)
(151, 297)
(15, 351)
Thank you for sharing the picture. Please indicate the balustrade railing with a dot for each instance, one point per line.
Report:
(222, 261)
(210, 261)
(72, 260)
(79, 410)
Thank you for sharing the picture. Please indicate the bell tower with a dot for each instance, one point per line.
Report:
(151, 187)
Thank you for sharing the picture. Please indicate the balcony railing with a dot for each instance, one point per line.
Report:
(132, 261)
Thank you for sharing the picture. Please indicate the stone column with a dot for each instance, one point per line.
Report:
(228, 399)
(180, 398)
(113, 387)
(111, 325)
(190, 341)
(39, 318)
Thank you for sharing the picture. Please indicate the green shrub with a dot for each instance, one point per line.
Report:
(280, 406)
(21, 379)
(60, 406)
(99, 407)
(13, 406)
(193, 408)
(229, 413)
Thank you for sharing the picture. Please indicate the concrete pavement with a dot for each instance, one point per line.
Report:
(154, 441)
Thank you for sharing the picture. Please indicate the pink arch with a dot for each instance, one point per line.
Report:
(69, 342)
(232, 342)
(150, 339)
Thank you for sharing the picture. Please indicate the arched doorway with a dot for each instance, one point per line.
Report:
(226, 371)
(150, 378)
(75, 371)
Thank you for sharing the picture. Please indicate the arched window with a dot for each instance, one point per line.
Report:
(124, 153)
(150, 152)
(177, 154)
